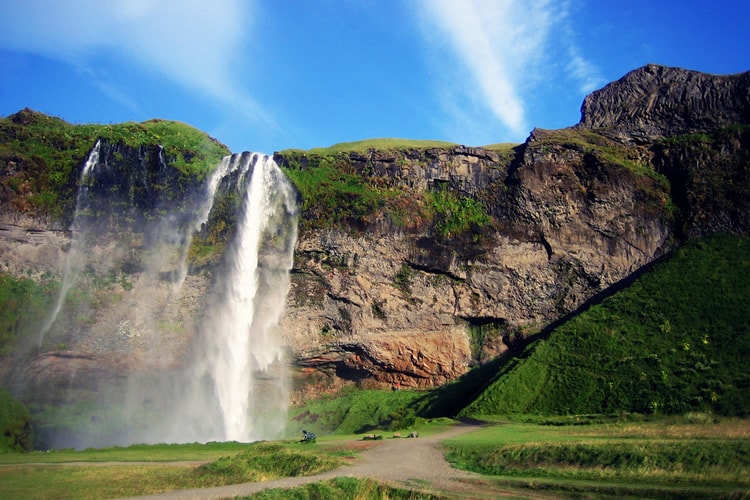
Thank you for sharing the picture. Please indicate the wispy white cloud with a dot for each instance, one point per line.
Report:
(503, 47)
(192, 42)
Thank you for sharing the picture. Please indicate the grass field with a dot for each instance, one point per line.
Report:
(692, 456)
(686, 457)
(146, 469)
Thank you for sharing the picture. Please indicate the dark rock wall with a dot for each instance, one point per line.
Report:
(658, 101)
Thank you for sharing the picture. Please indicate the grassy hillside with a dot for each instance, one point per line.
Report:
(676, 340)
(40, 155)
(379, 144)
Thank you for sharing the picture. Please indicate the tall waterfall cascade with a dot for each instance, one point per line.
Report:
(243, 348)
(231, 384)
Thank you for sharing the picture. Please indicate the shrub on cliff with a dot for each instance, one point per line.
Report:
(23, 305)
(15, 425)
(336, 192)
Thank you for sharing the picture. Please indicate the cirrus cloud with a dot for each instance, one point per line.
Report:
(503, 47)
(190, 42)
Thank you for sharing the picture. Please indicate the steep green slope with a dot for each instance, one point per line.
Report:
(676, 340)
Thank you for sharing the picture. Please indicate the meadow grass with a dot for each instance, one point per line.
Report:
(134, 453)
(688, 456)
(660, 457)
(51, 477)
(344, 487)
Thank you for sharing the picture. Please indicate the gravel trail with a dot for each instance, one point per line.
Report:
(414, 463)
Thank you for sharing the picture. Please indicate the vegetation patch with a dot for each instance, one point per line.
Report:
(15, 425)
(620, 457)
(379, 144)
(344, 487)
(254, 462)
(353, 411)
(600, 146)
(674, 341)
(334, 196)
(454, 215)
(23, 306)
(264, 461)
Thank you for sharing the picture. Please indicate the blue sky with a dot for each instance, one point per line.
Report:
(267, 75)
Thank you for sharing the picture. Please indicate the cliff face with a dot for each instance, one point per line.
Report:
(410, 308)
(392, 298)
(574, 212)
(654, 101)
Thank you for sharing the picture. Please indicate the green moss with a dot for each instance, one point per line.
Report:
(454, 215)
(334, 196)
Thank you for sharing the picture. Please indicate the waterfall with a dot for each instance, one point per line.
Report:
(231, 384)
(74, 256)
(244, 353)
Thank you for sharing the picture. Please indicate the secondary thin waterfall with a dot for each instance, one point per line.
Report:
(246, 357)
(73, 258)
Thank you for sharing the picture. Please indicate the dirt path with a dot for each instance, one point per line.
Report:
(416, 463)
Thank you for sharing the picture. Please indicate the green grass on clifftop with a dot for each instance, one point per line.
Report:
(380, 144)
(676, 340)
(46, 154)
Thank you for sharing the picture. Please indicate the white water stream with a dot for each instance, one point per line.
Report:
(242, 347)
(233, 386)
(74, 257)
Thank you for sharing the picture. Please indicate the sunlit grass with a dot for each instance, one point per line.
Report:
(236, 464)
(134, 453)
(657, 455)
(379, 144)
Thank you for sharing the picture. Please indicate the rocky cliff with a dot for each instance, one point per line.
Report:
(654, 102)
(658, 156)
(434, 259)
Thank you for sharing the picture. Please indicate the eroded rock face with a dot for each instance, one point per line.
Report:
(568, 225)
(657, 101)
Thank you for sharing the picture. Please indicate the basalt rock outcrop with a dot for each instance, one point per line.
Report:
(654, 102)
(659, 156)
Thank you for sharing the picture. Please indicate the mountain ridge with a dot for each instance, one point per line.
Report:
(405, 282)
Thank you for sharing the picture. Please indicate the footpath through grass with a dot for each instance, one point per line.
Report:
(692, 456)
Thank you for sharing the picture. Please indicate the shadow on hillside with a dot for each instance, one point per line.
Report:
(450, 399)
